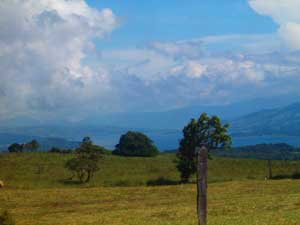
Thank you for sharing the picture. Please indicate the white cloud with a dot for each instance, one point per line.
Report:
(281, 11)
(290, 33)
(50, 67)
(286, 14)
(42, 47)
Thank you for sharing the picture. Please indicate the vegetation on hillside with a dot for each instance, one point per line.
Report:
(135, 144)
(30, 146)
(279, 151)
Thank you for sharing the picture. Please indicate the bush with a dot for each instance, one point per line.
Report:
(135, 144)
(15, 148)
(62, 151)
(6, 219)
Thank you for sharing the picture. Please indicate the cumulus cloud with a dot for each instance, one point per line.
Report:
(290, 33)
(174, 74)
(43, 45)
(286, 14)
(50, 68)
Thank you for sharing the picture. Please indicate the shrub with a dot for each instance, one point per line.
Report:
(15, 148)
(135, 144)
(6, 219)
(62, 151)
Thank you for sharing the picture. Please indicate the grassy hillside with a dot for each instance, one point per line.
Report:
(230, 203)
(126, 192)
(46, 170)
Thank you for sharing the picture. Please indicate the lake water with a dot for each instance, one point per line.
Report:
(170, 140)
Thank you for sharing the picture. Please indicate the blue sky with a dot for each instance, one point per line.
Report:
(170, 20)
(103, 56)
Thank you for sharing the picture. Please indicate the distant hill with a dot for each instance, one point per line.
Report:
(280, 151)
(45, 143)
(277, 125)
(102, 135)
(278, 121)
(177, 118)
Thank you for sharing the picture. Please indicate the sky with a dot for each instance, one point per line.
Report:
(71, 59)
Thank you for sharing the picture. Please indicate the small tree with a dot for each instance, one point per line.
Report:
(85, 164)
(32, 146)
(206, 130)
(209, 133)
(15, 147)
(135, 144)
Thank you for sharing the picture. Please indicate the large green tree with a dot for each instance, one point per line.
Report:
(135, 144)
(208, 131)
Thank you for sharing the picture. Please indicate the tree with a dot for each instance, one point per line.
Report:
(32, 146)
(85, 164)
(135, 144)
(15, 147)
(208, 131)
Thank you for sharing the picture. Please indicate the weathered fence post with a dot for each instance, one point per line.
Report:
(270, 175)
(202, 184)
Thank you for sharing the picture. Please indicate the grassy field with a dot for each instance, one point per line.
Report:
(38, 192)
(236, 203)
(46, 170)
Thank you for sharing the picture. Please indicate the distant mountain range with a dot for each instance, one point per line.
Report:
(248, 127)
(278, 121)
(177, 118)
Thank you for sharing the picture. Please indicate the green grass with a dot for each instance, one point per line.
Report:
(37, 193)
(45, 170)
(234, 203)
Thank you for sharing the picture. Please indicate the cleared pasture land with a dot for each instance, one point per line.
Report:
(235, 202)
(46, 170)
(38, 193)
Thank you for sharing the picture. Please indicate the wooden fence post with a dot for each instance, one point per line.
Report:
(270, 176)
(202, 156)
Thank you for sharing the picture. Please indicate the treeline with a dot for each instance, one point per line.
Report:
(280, 151)
(130, 144)
(30, 146)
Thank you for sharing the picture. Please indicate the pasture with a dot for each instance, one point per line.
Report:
(145, 191)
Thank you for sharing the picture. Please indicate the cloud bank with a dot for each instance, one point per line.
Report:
(286, 14)
(51, 69)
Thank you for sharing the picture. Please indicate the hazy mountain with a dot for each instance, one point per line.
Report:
(278, 121)
(280, 124)
(171, 119)
(177, 118)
